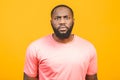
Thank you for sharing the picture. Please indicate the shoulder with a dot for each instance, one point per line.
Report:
(38, 43)
(86, 44)
(83, 41)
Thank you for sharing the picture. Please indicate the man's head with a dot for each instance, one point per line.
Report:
(62, 21)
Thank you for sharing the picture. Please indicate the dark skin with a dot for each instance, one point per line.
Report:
(88, 77)
(26, 77)
(91, 77)
(62, 12)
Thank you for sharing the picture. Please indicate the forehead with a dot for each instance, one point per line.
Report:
(62, 11)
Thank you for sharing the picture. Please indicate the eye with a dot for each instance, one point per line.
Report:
(57, 18)
(66, 17)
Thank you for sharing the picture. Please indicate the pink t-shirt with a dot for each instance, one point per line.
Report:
(52, 60)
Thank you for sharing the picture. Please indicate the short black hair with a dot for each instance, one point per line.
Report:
(62, 5)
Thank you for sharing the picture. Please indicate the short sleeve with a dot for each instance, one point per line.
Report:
(31, 62)
(92, 68)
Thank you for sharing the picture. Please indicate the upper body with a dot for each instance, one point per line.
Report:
(62, 55)
(51, 60)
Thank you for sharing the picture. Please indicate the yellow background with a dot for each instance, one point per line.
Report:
(23, 21)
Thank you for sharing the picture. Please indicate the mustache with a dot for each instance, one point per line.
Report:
(61, 26)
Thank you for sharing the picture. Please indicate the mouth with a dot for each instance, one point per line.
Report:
(63, 30)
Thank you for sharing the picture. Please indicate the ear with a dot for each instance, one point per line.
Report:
(50, 20)
(73, 19)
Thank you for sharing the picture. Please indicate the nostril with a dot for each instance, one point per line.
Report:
(62, 24)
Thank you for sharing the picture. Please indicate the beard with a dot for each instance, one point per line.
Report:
(63, 35)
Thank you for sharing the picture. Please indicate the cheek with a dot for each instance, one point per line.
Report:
(70, 23)
(54, 24)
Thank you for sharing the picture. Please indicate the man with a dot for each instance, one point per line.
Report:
(61, 55)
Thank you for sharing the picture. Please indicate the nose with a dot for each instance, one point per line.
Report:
(62, 21)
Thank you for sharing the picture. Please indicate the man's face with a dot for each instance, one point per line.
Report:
(62, 22)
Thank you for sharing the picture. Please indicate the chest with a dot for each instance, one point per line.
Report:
(62, 56)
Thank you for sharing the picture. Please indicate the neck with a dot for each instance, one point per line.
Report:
(70, 38)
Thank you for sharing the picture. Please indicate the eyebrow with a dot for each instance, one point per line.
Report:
(62, 16)
(65, 16)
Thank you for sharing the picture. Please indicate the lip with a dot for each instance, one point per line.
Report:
(63, 30)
